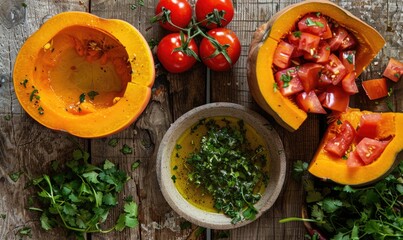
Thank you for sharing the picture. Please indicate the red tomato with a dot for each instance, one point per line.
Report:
(354, 160)
(175, 61)
(324, 81)
(288, 81)
(348, 83)
(228, 42)
(394, 70)
(368, 125)
(348, 42)
(339, 34)
(180, 14)
(335, 69)
(293, 38)
(339, 144)
(321, 54)
(370, 149)
(336, 99)
(315, 24)
(309, 74)
(348, 60)
(207, 8)
(282, 55)
(308, 42)
(375, 88)
(310, 103)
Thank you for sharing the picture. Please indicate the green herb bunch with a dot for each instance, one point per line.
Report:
(343, 212)
(229, 169)
(79, 197)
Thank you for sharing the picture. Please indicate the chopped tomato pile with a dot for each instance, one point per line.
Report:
(315, 64)
(360, 147)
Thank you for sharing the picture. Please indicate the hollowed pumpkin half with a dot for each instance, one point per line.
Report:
(329, 167)
(85, 75)
(264, 42)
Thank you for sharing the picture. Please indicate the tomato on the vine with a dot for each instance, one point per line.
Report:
(221, 50)
(178, 11)
(175, 54)
(217, 12)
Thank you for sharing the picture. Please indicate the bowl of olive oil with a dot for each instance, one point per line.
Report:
(221, 165)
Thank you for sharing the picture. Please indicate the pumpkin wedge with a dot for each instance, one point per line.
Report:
(266, 38)
(328, 166)
(85, 75)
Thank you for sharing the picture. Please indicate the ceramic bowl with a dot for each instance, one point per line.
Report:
(190, 212)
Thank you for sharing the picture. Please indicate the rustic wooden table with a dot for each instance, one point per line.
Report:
(28, 148)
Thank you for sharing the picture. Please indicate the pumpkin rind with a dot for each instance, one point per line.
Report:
(266, 38)
(92, 122)
(329, 167)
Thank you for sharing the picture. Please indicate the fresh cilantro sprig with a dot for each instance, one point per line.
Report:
(229, 169)
(343, 212)
(80, 197)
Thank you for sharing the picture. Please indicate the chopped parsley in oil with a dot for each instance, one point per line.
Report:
(350, 58)
(310, 23)
(286, 78)
(229, 169)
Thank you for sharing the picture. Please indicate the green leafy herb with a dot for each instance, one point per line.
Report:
(126, 149)
(135, 165)
(41, 111)
(350, 58)
(34, 94)
(299, 169)
(113, 142)
(396, 75)
(310, 23)
(25, 231)
(229, 169)
(286, 78)
(297, 34)
(173, 178)
(80, 197)
(15, 176)
(275, 87)
(24, 83)
(92, 94)
(7, 117)
(82, 97)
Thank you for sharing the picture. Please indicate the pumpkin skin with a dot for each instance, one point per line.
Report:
(76, 53)
(264, 43)
(330, 167)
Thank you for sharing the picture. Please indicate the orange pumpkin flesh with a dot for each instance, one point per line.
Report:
(266, 38)
(327, 166)
(84, 75)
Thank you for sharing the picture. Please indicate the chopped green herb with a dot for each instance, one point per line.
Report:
(175, 167)
(24, 5)
(390, 105)
(173, 178)
(7, 117)
(24, 83)
(310, 23)
(299, 168)
(41, 110)
(327, 48)
(133, 6)
(126, 149)
(275, 87)
(339, 122)
(25, 231)
(34, 95)
(15, 176)
(350, 58)
(390, 92)
(286, 78)
(92, 94)
(178, 146)
(318, 14)
(396, 75)
(113, 142)
(135, 165)
(297, 34)
(82, 97)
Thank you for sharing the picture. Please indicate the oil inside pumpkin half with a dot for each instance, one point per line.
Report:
(85, 68)
(189, 142)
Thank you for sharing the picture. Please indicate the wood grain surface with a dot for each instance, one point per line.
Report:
(28, 148)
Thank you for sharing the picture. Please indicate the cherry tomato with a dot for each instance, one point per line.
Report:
(288, 81)
(339, 144)
(180, 13)
(310, 103)
(225, 39)
(375, 88)
(370, 149)
(309, 74)
(282, 55)
(315, 24)
(207, 8)
(173, 60)
(394, 70)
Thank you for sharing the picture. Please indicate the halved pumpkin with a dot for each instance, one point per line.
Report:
(330, 167)
(85, 75)
(265, 40)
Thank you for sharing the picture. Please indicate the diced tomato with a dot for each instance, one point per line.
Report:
(375, 88)
(310, 103)
(321, 54)
(288, 81)
(394, 70)
(339, 34)
(348, 60)
(339, 144)
(309, 74)
(349, 42)
(336, 99)
(335, 69)
(282, 54)
(348, 83)
(308, 42)
(370, 149)
(315, 24)
(294, 38)
(368, 125)
(354, 160)
(324, 81)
